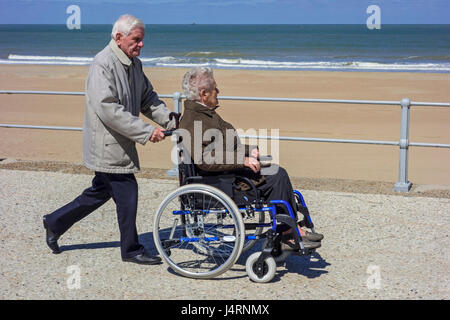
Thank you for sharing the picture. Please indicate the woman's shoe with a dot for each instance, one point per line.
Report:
(314, 237)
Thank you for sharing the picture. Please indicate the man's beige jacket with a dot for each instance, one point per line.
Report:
(117, 90)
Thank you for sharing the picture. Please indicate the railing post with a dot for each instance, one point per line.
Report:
(403, 185)
(176, 108)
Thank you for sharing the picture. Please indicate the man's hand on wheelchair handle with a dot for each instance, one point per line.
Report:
(252, 163)
(158, 135)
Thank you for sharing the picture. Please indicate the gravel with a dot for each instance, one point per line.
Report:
(376, 246)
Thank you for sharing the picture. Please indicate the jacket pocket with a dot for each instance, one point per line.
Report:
(116, 151)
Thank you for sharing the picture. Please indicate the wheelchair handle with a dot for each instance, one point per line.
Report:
(266, 158)
(177, 123)
(265, 161)
(168, 132)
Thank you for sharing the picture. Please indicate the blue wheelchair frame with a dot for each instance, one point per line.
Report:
(272, 209)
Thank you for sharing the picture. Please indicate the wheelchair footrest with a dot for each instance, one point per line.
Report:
(304, 252)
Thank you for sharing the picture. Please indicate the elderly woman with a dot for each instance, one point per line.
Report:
(215, 145)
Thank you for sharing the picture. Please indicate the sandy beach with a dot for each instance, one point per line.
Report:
(301, 159)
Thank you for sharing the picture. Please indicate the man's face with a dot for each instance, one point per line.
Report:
(131, 44)
(209, 98)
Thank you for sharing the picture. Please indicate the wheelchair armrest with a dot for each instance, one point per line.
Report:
(202, 177)
(265, 158)
(192, 179)
(265, 161)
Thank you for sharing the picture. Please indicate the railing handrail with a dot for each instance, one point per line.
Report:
(402, 185)
(244, 98)
(286, 138)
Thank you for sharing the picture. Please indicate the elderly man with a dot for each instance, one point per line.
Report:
(117, 90)
(222, 151)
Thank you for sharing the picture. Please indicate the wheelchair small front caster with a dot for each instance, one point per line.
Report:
(260, 272)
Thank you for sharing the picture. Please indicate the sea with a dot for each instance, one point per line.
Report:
(393, 48)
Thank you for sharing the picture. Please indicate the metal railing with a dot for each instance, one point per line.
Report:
(402, 184)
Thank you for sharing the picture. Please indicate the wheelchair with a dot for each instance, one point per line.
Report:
(202, 228)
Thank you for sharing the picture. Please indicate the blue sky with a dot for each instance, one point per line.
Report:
(228, 11)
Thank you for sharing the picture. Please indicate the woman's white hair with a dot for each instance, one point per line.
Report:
(195, 80)
(125, 24)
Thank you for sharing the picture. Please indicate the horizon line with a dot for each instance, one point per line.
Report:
(226, 24)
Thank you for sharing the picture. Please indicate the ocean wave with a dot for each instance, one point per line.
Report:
(158, 60)
(429, 58)
(201, 54)
(239, 63)
(15, 57)
(43, 62)
(353, 65)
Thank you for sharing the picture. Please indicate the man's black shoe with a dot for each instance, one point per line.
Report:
(51, 238)
(144, 258)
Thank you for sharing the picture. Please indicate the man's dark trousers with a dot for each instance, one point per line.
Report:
(123, 189)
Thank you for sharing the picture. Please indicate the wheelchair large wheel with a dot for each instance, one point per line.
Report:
(198, 231)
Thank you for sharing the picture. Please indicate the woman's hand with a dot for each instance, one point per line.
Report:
(252, 163)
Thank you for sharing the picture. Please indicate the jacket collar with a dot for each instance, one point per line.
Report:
(119, 53)
(197, 107)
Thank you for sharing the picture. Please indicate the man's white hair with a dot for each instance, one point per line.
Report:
(195, 80)
(125, 24)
